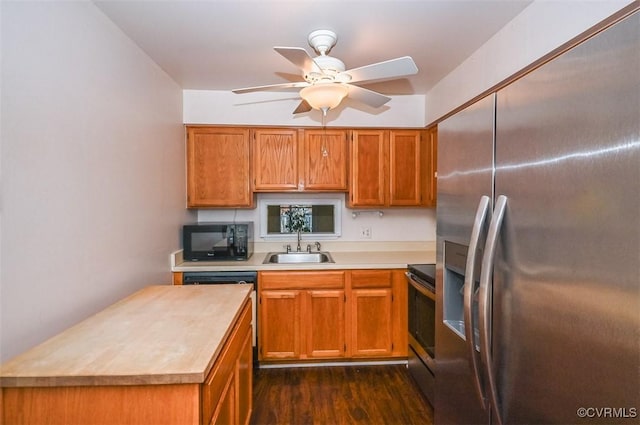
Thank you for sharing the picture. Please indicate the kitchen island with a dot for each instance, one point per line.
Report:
(164, 355)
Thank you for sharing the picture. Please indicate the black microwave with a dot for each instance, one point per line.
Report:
(217, 241)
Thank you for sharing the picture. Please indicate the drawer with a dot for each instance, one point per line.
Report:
(301, 280)
(371, 278)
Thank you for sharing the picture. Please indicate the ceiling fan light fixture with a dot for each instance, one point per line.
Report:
(324, 96)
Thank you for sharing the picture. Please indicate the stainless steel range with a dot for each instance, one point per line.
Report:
(422, 311)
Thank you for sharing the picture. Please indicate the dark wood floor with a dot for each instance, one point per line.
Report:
(338, 395)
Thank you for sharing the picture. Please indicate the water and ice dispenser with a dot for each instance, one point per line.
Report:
(455, 259)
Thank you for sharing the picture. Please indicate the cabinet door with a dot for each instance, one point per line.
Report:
(404, 168)
(430, 163)
(276, 153)
(225, 412)
(324, 323)
(371, 330)
(325, 160)
(368, 168)
(218, 167)
(279, 324)
(244, 380)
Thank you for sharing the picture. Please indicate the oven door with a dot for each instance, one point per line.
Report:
(421, 354)
(422, 324)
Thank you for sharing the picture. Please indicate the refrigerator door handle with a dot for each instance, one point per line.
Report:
(469, 291)
(485, 302)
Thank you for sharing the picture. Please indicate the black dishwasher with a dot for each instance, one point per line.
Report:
(220, 278)
(225, 278)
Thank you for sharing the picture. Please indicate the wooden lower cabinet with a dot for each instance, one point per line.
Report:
(227, 391)
(371, 322)
(307, 315)
(378, 313)
(223, 398)
(301, 315)
(325, 321)
(279, 324)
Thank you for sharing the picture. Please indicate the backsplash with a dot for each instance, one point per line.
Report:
(396, 224)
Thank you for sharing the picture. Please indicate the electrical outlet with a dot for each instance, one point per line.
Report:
(365, 232)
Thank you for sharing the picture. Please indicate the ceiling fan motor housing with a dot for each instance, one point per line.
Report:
(331, 68)
(322, 40)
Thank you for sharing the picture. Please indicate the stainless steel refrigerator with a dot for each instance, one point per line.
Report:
(538, 244)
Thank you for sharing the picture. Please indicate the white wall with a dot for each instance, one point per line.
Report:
(538, 30)
(92, 176)
(276, 108)
(396, 224)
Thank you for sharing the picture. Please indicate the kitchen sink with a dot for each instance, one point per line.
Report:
(297, 257)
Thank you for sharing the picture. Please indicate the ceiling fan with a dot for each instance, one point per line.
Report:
(326, 82)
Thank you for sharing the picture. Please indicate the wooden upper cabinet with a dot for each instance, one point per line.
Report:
(218, 167)
(389, 168)
(368, 167)
(325, 160)
(276, 157)
(430, 158)
(404, 168)
(288, 160)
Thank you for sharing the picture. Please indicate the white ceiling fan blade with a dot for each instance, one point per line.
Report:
(367, 97)
(272, 87)
(300, 58)
(392, 68)
(302, 107)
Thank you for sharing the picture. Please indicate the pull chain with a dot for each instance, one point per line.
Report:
(323, 148)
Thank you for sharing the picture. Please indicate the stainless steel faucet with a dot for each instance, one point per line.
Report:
(318, 246)
(299, 249)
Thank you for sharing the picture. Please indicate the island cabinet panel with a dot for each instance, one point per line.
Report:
(226, 393)
(218, 167)
(229, 402)
(102, 405)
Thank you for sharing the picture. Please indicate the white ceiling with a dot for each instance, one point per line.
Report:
(227, 44)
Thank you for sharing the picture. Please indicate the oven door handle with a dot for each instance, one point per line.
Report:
(469, 292)
(419, 287)
(485, 301)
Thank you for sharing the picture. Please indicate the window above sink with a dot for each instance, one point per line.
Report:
(321, 217)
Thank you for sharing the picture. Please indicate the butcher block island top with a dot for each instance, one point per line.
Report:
(159, 335)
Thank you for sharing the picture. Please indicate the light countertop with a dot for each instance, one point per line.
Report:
(159, 335)
(355, 256)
